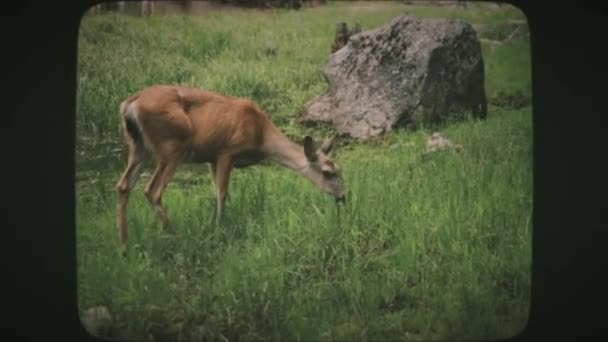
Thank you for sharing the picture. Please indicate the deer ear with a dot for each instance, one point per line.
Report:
(328, 144)
(309, 149)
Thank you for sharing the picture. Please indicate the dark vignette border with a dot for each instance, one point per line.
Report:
(569, 76)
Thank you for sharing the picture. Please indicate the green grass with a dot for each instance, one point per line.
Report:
(119, 55)
(430, 246)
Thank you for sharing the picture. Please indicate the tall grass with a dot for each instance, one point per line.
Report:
(273, 57)
(429, 246)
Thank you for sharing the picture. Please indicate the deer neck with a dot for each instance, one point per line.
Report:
(286, 152)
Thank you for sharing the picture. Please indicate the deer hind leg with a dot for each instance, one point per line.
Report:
(137, 157)
(165, 169)
(221, 173)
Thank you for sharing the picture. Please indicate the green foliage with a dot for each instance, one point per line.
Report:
(429, 246)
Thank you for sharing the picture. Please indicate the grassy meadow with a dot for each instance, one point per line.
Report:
(429, 246)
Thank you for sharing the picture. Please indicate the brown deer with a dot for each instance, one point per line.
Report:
(183, 124)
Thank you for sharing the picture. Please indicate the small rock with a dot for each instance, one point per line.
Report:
(97, 320)
(438, 142)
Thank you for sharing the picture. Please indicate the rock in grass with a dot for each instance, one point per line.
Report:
(436, 142)
(97, 321)
(412, 70)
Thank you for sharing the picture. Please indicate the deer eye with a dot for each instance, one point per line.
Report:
(328, 174)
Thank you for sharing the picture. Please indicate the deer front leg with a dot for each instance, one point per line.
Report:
(212, 170)
(222, 169)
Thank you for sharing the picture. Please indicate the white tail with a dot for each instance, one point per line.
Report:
(178, 124)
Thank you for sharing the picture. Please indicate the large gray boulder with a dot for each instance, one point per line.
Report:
(410, 71)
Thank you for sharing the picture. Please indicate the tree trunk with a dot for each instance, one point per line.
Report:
(147, 8)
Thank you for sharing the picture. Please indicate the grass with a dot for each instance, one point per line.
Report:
(430, 246)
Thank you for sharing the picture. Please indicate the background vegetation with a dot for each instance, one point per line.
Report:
(430, 246)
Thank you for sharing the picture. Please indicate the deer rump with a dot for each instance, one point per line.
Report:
(200, 124)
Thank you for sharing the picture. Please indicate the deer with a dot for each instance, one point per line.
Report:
(178, 124)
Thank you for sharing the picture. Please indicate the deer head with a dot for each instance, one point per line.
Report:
(322, 171)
